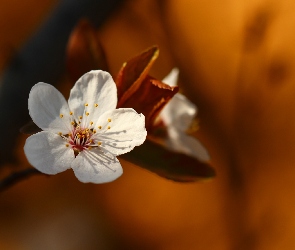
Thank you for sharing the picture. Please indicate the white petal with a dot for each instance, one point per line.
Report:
(98, 91)
(172, 78)
(46, 104)
(127, 130)
(96, 167)
(180, 142)
(48, 152)
(179, 112)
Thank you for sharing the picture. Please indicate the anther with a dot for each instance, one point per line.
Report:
(61, 115)
(109, 120)
(87, 113)
(99, 143)
(71, 113)
(60, 133)
(80, 117)
(96, 105)
(91, 123)
(89, 147)
(73, 123)
(94, 131)
(86, 104)
(109, 127)
(67, 145)
(99, 127)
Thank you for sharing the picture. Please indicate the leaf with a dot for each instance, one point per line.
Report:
(30, 128)
(170, 165)
(150, 98)
(84, 51)
(133, 72)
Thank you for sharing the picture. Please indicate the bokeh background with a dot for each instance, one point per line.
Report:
(237, 64)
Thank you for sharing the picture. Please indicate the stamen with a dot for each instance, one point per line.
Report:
(87, 113)
(96, 105)
(109, 127)
(60, 133)
(99, 127)
(73, 123)
(61, 115)
(67, 145)
(71, 113)
(99, 143)
(109, 120)
(94, 131)
(86, 104)
(80, 117)
(89, 147)
(91, 123)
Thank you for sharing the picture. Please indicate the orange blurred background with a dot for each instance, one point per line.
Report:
(236, 61)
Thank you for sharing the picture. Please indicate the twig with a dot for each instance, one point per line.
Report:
(16, 177)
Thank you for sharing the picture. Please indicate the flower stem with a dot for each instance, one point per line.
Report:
(16, 177)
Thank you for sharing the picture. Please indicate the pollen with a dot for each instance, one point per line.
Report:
(87, 113)
(67, 145)
(86, 104)
(61, 115)
(80, 117)
(73, 123)
(99, 127)
(109, 127)
(91, 123)
(71, 113)
(109, 120)
(99, 143)
(96, 105)
(60, 133)
(94, 131)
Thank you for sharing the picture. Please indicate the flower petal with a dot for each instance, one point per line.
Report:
(48, 152)
(46, 106)
(121, 130)
(172, 78)
(93, 94)
(96, 166)
(180, 142)
(179, 112)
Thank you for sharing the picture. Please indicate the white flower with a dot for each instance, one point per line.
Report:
(86, 133)
(178, 115)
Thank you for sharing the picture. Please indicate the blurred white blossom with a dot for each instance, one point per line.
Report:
(178, 115)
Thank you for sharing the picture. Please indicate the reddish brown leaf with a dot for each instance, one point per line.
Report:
(150, 98)
(84, 51)
(133, 72)
(168, 164)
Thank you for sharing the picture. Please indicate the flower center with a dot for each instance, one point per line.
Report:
(82, 136)
(80, 139)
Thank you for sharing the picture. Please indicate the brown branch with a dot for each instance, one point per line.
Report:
(16, 177)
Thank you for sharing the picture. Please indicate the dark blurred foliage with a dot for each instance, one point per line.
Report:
(42, 58)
